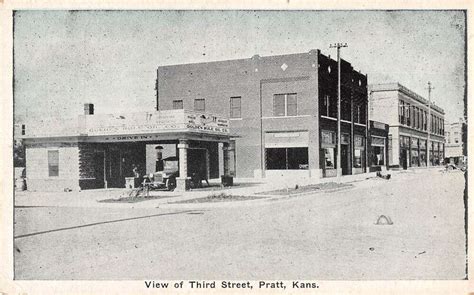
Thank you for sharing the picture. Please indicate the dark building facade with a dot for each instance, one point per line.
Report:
(282, 111)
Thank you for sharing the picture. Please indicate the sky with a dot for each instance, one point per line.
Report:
(63, 59)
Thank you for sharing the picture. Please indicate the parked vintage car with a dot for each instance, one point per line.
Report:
(163, 179)
(166, 179)
(452, 166)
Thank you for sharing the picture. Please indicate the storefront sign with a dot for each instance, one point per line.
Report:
(286, 139)
(358, 141)
(163, 121)
(378, 141)
(286, 134)
(378, 125)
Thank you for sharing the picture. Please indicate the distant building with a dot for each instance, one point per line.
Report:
(19, 129)
(407, 115)
(454, 142)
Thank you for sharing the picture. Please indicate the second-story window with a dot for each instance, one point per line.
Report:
(177, 104)
(421, 119)
(285, 105)
(401, 112)
(357, 114)
(432, 124)
(425, 127)
(235, 107)
(325, 106)
(417, 114)
(407, 110)
(200, 105)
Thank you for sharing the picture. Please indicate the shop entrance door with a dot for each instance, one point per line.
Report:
(114, 175)
(345, 160)
(198, 163)
(99, 169)
(404, 159)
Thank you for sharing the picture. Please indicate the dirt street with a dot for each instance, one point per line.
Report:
(320, 236)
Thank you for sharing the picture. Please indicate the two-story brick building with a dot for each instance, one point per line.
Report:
(407, 115)
(282, 110)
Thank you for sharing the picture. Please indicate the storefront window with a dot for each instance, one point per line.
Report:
(414, 158)
(329, 158)
(286, 158)
(377, 152)
(357, 158)
(404, 141)
(358, 151)
(377, 156)
(422, 158)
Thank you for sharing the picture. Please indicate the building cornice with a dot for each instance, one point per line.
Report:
(399, 87)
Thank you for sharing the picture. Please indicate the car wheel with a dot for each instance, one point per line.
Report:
(170, 184)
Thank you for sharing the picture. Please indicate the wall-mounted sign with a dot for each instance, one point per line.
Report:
(156, 122)
(286, 139)
(358, 141)
(378, 125)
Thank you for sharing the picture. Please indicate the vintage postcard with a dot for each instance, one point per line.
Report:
(288, 148)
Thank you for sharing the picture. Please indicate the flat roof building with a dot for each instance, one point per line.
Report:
(102, 150)
(283, 110)
(408, 117)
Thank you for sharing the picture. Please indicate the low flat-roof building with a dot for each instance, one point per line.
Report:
(407, 113)
(100, 151)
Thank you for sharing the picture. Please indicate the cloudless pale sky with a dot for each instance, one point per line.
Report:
(64, 59)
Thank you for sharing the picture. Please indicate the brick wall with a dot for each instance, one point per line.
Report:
(252, 79)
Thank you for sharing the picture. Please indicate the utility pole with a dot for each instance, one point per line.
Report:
(429, 125)
(338, 46)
